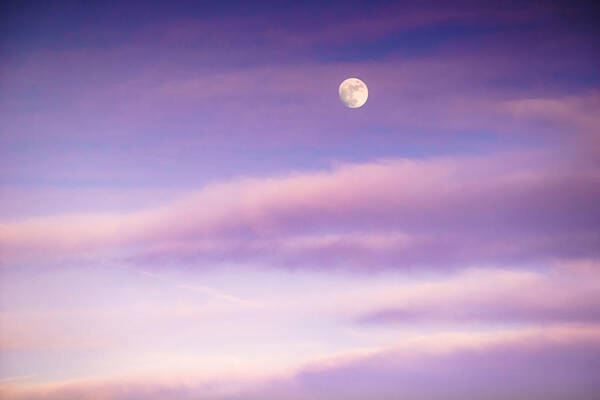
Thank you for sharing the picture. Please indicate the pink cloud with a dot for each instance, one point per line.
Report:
(563, 297)
(395, 212)
(551, 364)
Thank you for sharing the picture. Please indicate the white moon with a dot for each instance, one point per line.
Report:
(353, 92)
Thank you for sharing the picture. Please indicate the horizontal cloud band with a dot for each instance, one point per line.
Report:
(390, 213)
(554, 364)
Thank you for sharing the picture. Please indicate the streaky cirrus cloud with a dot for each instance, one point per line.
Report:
(500, 208)
(561, 295)
(553, 363)
(71, 314)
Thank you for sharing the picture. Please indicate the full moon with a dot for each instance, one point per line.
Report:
(353, 92)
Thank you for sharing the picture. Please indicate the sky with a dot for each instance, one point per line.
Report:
(188, 210)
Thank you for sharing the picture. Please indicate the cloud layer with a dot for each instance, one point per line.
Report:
(391, 213)
(528, 366)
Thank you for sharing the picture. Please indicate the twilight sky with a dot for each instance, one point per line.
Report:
(188, 211)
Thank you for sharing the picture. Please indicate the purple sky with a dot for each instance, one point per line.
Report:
(187, 210)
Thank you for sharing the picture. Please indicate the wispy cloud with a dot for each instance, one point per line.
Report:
(394, 213)
(481, 365)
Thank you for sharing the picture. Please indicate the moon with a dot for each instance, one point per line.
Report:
(353, 92)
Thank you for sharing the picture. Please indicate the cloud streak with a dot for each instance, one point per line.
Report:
(549, 364)
(562, 296)
(394, 213)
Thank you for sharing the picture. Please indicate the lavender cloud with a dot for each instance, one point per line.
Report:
(551, 366)
(394, 213)
(557, 298)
